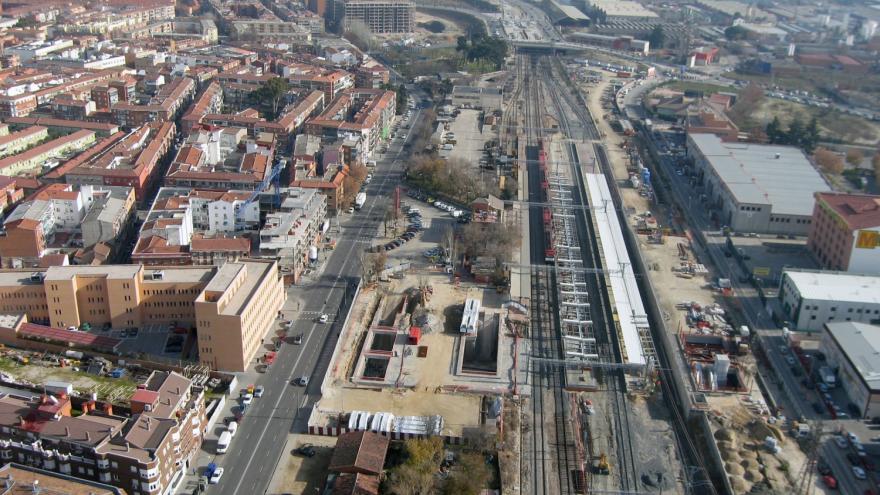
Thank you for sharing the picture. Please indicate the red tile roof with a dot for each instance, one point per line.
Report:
(859, 211)
(359, 452)
(67, 337)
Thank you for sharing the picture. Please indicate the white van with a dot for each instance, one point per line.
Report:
(232, 428)
(223, 442)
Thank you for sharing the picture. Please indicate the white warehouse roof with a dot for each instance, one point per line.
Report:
(780, 176)
(860, 343)
(836, 286)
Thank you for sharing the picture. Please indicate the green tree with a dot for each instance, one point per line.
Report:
(774, 131)
(271, 94)
(811, 136)
(735, 33)
(657, 37)
(795, 133)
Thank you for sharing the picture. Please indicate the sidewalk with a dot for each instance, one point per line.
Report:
(207, 453)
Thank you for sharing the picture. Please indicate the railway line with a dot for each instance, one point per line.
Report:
(554, 466)
(614, 381)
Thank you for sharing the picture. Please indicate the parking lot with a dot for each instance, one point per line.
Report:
(421, 227)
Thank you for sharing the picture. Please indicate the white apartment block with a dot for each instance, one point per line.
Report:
(811, 298)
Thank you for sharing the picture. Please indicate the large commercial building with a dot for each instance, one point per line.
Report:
(813, 298)
(147, 453)
(852, 350)
(764, 189)
(231, 307)
(381, 16)
(845, 233)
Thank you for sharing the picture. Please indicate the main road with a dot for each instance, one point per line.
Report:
(284, 408)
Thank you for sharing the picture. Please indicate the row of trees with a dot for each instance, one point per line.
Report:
(796, 134)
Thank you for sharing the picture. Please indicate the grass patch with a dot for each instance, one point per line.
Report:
(8, 365)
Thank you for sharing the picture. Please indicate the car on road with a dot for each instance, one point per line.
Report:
(841, 442)
(216, 475)
(258, 392)
(830, 481)
(298, 339)
(351, 209)
(823, 467)
(859, 473)
(853, 459)
(247, 399)
(306, 450)
(790, 360)
(852, 437)
(302, 381)
(823, 388)
(323, 318)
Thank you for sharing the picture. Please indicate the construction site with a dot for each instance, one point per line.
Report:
(431, 351)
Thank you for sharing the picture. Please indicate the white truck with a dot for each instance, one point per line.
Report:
(359, 200)
(223, 442)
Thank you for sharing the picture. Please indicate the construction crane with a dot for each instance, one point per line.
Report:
(272, 178)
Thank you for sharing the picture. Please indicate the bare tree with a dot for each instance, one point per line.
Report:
(830, 161)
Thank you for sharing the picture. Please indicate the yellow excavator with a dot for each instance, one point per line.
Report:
(602, 466)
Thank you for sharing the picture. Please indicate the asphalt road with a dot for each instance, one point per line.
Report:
(284, 408)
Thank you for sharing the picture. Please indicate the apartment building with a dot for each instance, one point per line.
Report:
(361, 112)
(101, 129)
(209, 101)
(17, 142)
(231, 306)
(330, 82)
(186, 226)
(147, 453)
(79, 217)
(269, 29)
(168, 103)
(132, 160)
(39, 158)
(290, 233)
(291, 119)
(11, 192)
(845, 232)
(212, 160)
(28, 477)
(381, 16)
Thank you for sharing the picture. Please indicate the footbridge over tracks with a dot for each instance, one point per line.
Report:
(547, 47)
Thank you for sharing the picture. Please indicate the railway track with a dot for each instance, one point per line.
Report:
(553, 465)
(607, 338)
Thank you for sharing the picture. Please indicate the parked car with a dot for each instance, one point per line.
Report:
(215, 477)
(830, 481)
(305, 450)
(258, 392)
(859, 473)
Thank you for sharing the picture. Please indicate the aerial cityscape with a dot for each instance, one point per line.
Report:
(460, 247)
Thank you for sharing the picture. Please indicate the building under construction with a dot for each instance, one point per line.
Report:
(380, 16)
